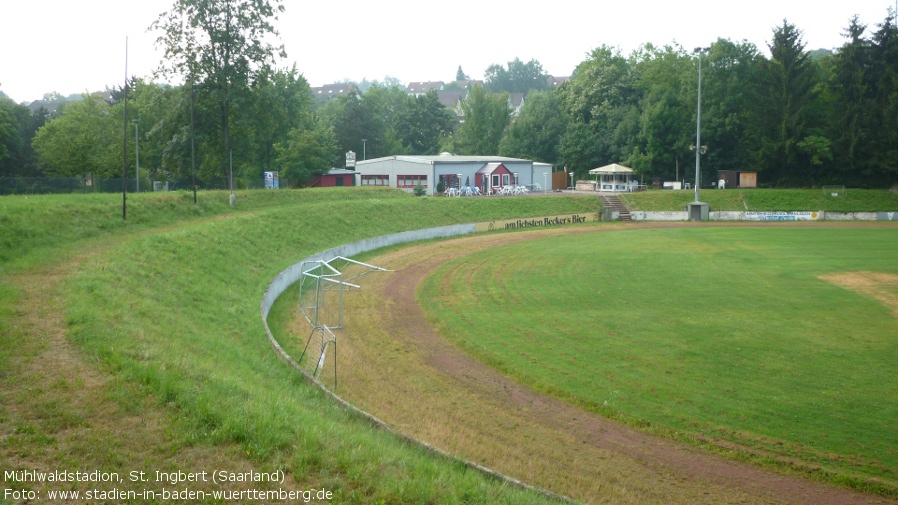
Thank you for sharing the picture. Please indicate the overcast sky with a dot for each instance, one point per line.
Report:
(76, 46)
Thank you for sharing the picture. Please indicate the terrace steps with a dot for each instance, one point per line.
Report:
(613, 202)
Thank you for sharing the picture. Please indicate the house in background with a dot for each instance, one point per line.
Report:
(485, 172)
(334, 177)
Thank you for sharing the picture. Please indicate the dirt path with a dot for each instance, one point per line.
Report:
(396, 366)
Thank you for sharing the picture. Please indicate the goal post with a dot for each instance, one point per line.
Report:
(321, 287)
(835, 191)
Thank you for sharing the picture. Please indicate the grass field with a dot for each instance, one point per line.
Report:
(785, 200)
(743, 339)
(137, 345)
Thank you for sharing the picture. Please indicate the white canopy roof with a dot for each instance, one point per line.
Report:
(613, 168)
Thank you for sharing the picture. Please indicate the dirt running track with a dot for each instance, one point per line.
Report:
(396, 366)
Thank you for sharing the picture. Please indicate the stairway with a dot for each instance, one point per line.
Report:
(613, 202)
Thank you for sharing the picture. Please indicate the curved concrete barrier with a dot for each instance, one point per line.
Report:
(292, 273)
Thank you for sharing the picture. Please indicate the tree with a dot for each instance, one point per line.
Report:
(425, 122)
(460, 75)
(851, 101)
(536, 132)
(727, 69)
(86, 138)
(351, 122)
(601, 103)
(486, 115)
(306, 151)
(519, 77)
(667, 84)
(278, 102)
(786, 111)
(221, 44)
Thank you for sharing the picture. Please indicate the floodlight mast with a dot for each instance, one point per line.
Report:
(698, 126)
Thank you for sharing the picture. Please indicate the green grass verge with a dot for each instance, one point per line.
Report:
(718, 335)
(170, 304)
(785, 200)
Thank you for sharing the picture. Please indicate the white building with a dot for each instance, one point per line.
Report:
(488, 173)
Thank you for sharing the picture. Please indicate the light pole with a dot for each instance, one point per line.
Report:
(515, 178)
(136, 153)
(698, 126)
(364, 149)
(572, 181)
(233, 198)
(697, 210)
(545, 187)
(458, 178)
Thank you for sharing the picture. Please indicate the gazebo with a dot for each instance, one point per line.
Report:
(614, 177)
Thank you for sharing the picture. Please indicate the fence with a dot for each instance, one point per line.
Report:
(50, 185)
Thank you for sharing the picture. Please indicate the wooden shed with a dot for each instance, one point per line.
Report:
(737, 179)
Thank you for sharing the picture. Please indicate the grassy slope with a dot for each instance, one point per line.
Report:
(173, 312)
(722, 334)
(785, 200)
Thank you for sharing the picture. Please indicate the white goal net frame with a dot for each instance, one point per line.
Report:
(321, 288)
(837, 191)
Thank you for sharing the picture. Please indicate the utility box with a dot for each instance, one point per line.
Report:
(698, 211)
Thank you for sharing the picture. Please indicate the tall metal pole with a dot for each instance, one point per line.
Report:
(698, 130)
(231, 182)
(125, 136)
(192, 149)
(136, 154)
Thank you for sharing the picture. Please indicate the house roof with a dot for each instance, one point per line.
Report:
(447, 159)
(450, 99)
(333, 90)
(423, 87)
(490, 168)
(613, 168)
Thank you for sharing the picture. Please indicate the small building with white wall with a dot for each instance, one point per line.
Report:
(485, 172)
(615, 178)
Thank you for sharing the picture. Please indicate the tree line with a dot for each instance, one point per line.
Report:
(798, 117)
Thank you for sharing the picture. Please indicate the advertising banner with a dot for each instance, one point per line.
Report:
(784, 216)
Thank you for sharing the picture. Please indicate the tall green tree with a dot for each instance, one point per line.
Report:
(221, 44)
(790, 138)
(517, 77)
(883, 82)
(536, 132)
(17, 128)
(278, 102)
(86, 138)
(424, 123)
(307, 150)
(601, 102)
(728, 68)
(667, 90)
(485, 117)
(352, 122)
(851, 110)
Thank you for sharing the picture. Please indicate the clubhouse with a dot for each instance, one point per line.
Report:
(487, 173)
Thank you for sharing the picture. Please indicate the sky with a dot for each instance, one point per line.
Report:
(75, 47)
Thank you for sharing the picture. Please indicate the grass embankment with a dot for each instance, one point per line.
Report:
(746, 340)
(164, 309)
(784, 200)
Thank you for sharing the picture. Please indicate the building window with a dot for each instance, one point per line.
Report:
(375, 180)
(495, 181)
(411, 181)
(505, 180)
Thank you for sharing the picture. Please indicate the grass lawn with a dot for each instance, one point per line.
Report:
(161, 314)
(785, 200)
(753, 340)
